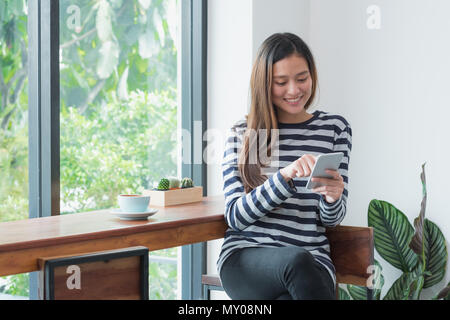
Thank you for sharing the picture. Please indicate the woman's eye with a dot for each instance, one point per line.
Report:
(284, 83)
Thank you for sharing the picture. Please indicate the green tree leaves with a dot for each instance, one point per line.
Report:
(115, 35)
(103, 21)
(127, 148)
(118, 103)
(109, 52)
(148, 44)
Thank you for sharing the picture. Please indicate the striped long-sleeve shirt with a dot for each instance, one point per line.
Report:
(276, 214)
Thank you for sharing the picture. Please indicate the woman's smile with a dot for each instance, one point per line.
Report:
(293, 101)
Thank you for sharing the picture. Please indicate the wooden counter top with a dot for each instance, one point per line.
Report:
(22, 242)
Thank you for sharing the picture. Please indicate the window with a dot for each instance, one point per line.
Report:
(105, 89)
(13, 125)
(118, 86)
(118, 120)
(13, 111)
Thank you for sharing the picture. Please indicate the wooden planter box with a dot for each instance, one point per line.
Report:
(175, 196)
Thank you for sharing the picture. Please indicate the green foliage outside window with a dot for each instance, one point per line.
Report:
(13, 111)
(124, 148)
(118, 120)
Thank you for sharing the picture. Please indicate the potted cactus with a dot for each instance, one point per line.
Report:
(164, 184)
(172, 191)
(187, 183)
(174, 183)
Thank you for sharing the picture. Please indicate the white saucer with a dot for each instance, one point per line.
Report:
(134, 215)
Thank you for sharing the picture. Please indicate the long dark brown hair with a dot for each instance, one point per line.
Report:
(263, 114)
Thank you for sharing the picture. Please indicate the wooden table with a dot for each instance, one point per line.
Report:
(23, 242)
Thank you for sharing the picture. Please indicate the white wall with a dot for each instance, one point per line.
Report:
(229, 68)
(389, 83)
(271, 16)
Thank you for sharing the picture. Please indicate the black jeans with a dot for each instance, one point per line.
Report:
(276, 273)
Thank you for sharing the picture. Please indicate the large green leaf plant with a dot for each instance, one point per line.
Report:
(420, 252)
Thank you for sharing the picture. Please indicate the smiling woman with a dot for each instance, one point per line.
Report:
(276, 238)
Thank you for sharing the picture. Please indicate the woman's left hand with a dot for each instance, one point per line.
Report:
(331, 188)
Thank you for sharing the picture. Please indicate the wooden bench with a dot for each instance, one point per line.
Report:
(352, 253)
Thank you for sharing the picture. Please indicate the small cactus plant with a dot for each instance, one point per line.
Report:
(187, 183)
(174, 183)
(164, 184)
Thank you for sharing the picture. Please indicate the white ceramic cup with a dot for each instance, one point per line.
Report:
(133, 202)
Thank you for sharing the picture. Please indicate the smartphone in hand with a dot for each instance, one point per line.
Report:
(330, 161)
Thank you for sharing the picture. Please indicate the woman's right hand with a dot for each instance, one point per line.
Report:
(302, 167)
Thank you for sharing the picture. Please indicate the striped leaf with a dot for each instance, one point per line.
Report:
(444, 293)
(415, 288)
(343, 295)
(407, 286)
(378, 280)
(435, 250)
(357, 292)
(360, 293)
(416, 243)
(392, 234)
(397, 290)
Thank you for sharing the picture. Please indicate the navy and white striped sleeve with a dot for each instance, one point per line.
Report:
(241, 209)
(332, 214)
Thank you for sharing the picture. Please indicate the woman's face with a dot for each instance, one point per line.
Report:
(291, 88)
